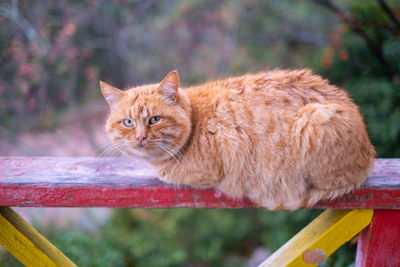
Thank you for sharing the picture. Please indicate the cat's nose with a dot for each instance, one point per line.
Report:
(141, 138)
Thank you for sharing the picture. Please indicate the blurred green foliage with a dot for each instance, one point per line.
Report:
(177, 237)
(355, 45)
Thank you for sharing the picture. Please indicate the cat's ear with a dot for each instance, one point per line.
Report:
(169, 86)
(111, 94)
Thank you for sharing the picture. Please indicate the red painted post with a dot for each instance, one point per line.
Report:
(379, 244)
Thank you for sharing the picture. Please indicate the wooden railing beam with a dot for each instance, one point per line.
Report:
(26, 244)
(128, 182)
(320, 238)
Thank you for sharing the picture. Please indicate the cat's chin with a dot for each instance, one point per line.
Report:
(147, 156)
(138, 153)
(142, 153)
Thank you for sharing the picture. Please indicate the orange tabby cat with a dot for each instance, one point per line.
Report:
(285, 139)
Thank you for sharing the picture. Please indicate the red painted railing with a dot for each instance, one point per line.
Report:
(127, 182)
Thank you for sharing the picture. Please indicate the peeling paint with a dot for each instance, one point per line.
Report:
(314, 256)
(28, 202)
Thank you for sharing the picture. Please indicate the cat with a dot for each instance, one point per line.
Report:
(284, 139)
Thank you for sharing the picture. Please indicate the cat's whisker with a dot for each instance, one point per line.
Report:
(104, 146)
(177, 153)
(173, 150)
(113, 153)
(159, 148)
(170, 141)
(107, 149)
(171, 154)
(117, 154)
(169, 145)
(164, 147)
(111, 149)
(181, 156)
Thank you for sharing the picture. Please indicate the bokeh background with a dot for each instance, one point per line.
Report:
(53, 54)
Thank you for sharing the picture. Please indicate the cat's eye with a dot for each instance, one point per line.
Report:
(128, 122)
(154, 120)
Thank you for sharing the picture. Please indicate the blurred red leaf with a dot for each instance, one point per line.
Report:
(327, 57)
(343, 55)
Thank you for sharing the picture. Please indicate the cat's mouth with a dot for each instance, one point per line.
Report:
(142, 146)
(141, 151)
(136, 149)
(150, 149)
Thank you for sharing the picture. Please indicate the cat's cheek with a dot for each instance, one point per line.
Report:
(115, 137)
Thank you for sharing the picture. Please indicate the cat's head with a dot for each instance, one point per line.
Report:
(151, 121)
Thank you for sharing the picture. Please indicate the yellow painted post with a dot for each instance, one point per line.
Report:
(26, 244)
(320, 238)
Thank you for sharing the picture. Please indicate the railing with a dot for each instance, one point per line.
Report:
(130, 183)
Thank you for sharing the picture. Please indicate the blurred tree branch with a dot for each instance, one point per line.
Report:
(11, 12)
(345, 17)
(395, 21)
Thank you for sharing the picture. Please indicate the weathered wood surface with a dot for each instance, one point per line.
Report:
(127, 182)
(320, 238)
(378, 245)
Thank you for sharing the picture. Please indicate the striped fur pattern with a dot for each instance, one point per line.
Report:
(285, 139)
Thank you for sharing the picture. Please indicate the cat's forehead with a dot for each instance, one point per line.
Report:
(142, 99)
(141, 109)
(143, 90)
(137, 109)
(139, 104)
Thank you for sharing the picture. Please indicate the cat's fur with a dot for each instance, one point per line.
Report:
(285, 139)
